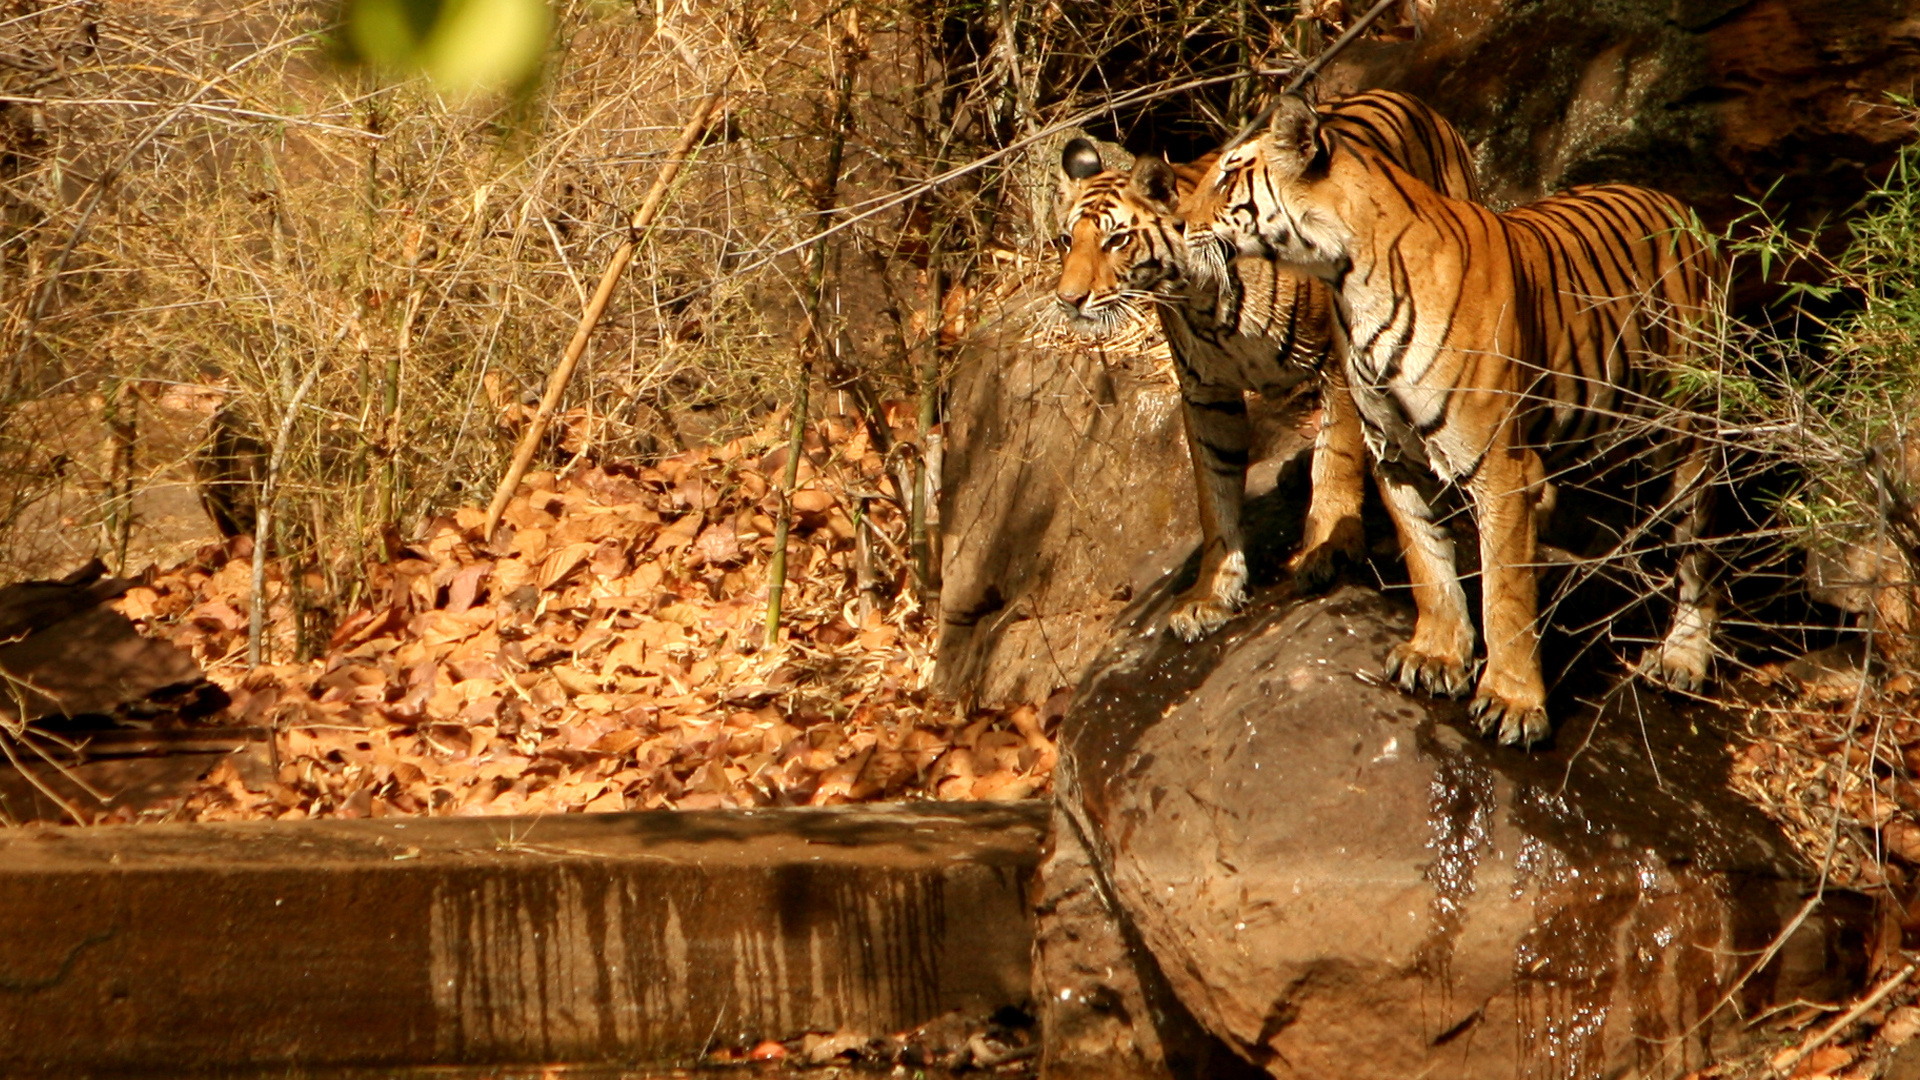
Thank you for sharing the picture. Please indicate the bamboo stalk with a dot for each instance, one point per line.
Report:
(814, 343)
(263, 517)
(122, 415)
(1359, 26)
(926, 393)
(597, 306)
(783, 524)
(925, 376)
(866, 582)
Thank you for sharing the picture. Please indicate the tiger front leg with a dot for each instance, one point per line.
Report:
(1439, 658)
(1333, 535)
(1511, 700)
(1218, 436)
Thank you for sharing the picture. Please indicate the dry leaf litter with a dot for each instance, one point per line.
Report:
(1831, 753)
(603, 654)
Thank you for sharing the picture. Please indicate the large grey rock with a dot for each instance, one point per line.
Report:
(1106, 1012)
(1066, 489)
(1336, 878)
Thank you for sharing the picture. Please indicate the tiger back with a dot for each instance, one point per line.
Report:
(1486, 351)
(1247, 325)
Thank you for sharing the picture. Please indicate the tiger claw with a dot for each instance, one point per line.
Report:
(1441, 676)
(1195, 619)
(1678, 669)
(1213, 601)
(1509, 722)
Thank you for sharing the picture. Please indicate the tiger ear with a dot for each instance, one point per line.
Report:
(1079, 160)
(1154, 181)
(1295, 127)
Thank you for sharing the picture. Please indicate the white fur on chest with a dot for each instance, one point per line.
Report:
(1386, 379)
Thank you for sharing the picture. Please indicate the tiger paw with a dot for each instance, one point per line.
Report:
(1193, 619)
(1513, 722)
(1442, 676)
(1680, 667)
(1212, 601)
(1316, 565)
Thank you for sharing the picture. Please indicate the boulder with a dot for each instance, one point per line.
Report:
(1336, 878)
(1106, 1012)
(65, 653)
(1065, 489)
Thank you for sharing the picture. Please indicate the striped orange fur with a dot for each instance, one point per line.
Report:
(1486, 352)
(1248, 325)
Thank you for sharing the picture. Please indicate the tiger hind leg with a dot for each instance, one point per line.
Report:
(1333, 535)
(1439, 657)
(1683, 659)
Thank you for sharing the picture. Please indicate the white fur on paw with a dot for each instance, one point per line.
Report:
(1195, 619)
(1682, 660)
(1682, 668)
(1230, 581)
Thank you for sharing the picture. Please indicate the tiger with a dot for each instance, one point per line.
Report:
(1485, 351)
(1248, 326)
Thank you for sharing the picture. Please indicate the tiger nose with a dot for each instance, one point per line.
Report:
(1070, 297)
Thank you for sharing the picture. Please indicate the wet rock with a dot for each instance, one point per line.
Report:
(1085, 984)
(1105, 1009)
(1336, 878)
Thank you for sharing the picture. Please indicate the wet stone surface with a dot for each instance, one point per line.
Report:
(293, 948)
(1336, 878)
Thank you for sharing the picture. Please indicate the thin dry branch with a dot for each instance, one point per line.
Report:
(597, 306)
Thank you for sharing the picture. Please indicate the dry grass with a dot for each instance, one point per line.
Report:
(201, 214)
(204, 201)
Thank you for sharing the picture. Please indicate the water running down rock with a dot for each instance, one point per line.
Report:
(1335, 878)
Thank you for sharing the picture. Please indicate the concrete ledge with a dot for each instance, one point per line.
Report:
(611, 938)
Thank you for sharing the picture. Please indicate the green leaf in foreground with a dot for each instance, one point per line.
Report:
(464, 46)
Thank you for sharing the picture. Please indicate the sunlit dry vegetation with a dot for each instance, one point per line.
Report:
(321, 301)
(363, 279)
(239, 271)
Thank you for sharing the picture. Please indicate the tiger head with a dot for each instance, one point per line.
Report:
(1121, 241)
(1266, 195)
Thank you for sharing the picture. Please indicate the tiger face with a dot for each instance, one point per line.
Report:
(1122, 241)
(1262, 197)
